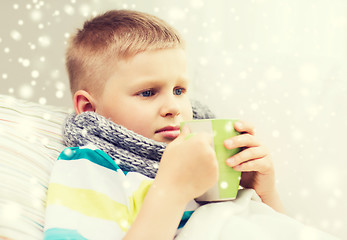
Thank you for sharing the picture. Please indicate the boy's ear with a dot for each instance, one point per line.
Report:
(83, 102)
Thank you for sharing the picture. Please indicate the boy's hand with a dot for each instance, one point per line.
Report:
(188, 167)
(254, 161)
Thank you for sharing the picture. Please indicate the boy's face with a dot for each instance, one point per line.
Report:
(148, 94)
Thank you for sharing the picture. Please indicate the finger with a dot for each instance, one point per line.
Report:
(189, 135)
(242, 127)
(242, 140)
(186, 134)
(261, 165)
(207, 136)
(247, 155)
(184, 131)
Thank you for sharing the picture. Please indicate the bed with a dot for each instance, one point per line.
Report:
(30, 141)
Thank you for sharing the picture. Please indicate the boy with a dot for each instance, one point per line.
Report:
(127, 74)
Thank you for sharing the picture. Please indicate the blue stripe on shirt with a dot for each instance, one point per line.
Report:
(62, 233)
(185, 218)
(96, 156)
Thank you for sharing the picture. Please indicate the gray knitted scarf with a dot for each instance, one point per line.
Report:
(131, 151)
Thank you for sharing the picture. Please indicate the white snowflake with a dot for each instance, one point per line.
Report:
(59, 94)
(203, 61)
(275, 133)
(17, 36)
(26, 91)
(24, 62)
(308, 233)
(297, 134)
(35, 74)
(69, 10)
(254, 46)
(214, 133)
(254, 106)
(156, 165)
(56, 13)
(228, 61)
(243, 75)
(36, 15)
(44, 41)
(177, 13)
(304, 192)
(32, 139)
(337, 192)
(124, 223)
(126, 184)
(68, 152)
(308, 72)
(197, 3)
(85, 10)
(229, 126)
(84, 132)
(10, 212)
(44, 141)
(224, 185)
(32, 46)
(56, 74)
(273, 73)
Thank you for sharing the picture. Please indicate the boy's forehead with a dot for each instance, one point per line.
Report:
(150, 58)
(150, 66)
(176, 52)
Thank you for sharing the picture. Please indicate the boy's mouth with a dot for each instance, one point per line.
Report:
(169, 132)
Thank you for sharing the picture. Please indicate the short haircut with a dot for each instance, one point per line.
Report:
(113, 36)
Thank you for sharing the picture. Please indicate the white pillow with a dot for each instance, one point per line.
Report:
(30, 142)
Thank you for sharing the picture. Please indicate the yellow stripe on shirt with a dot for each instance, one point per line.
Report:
(89, 203)
(136, 200)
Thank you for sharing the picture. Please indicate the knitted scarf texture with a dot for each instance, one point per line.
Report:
(131, 151)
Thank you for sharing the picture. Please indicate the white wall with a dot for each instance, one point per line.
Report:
(281, 65)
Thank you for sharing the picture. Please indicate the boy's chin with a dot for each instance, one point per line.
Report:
(166, 140)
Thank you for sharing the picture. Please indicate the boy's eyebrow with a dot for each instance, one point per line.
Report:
(145, 84)
(156, 83)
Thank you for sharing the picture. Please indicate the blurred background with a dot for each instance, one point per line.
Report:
(281, 65)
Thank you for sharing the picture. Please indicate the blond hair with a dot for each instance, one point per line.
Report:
(113, 36)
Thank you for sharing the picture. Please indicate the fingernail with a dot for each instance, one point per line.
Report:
(230, 161)
(238, 124)
(237, 167)
(228, 143)
(189, 136)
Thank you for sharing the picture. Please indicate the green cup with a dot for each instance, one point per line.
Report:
(228, 183)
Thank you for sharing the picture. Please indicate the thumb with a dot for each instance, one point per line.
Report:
(184, 131)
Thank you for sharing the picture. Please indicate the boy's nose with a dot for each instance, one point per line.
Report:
(170, 108)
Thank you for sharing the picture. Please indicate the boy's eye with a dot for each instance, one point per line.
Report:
(147, 93)
(178, 91)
